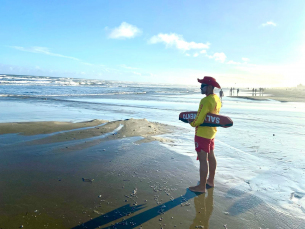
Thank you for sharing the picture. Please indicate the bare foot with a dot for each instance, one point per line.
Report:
(197, 188)
(211, 184)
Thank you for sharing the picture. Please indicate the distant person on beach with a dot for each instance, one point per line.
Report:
(237, 91)
(261, 91)
(221, 94)
(204, 135)
(231, 91)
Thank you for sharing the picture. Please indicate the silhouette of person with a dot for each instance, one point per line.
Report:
(221, 94)
(237, 91)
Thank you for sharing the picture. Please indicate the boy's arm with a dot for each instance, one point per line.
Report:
(201, 114)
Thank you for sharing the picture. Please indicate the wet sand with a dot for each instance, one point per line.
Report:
(118, 173)
(282, 95)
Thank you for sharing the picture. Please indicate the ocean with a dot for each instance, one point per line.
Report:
(261, 155)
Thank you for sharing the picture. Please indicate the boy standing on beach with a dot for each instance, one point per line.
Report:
(204, 135)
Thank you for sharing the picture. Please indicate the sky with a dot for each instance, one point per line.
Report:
(240, 43)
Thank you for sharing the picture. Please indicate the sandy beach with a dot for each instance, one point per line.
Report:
(278, 94)
(96, 99)
(119, 174)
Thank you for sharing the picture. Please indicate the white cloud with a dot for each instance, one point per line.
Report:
(85, 63)
(46, 51)
(221, 57)
(269, 23)
(42, 50)
(187, 54)
(125, 30)
(127, 67)
(177, 41)
(245, 60)
(233, 62)
(137, 73)
(196, 54)
(203, 51)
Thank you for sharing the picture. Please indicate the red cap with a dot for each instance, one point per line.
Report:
(209, 81)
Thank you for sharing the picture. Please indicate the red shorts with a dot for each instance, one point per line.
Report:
(203, 144)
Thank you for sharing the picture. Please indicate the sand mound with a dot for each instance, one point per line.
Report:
(34, 128)
(93, 131)
(141, 127)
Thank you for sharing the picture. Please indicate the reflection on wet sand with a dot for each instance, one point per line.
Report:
(204, 209)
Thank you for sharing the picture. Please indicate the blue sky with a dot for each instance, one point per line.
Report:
(242, 43)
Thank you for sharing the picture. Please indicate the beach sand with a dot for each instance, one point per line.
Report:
(279, 94)
(120, 173)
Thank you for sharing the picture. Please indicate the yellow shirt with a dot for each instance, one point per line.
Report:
(209, 104)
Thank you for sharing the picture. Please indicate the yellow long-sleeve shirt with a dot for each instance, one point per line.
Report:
(209, 104)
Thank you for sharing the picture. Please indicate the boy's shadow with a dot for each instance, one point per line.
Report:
(202, 205)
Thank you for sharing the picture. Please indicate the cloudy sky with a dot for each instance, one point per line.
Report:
(242, 43)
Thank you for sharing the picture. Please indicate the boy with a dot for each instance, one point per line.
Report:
(204, 135)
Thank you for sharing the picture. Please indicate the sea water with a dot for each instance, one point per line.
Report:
(262, 154)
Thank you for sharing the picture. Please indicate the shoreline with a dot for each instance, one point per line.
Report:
(267, 98)
(281, 95)
(74, 179)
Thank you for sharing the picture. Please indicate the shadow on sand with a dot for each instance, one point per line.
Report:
(137, 220)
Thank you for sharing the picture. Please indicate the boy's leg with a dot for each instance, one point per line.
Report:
(212, 168)
(202, 156)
